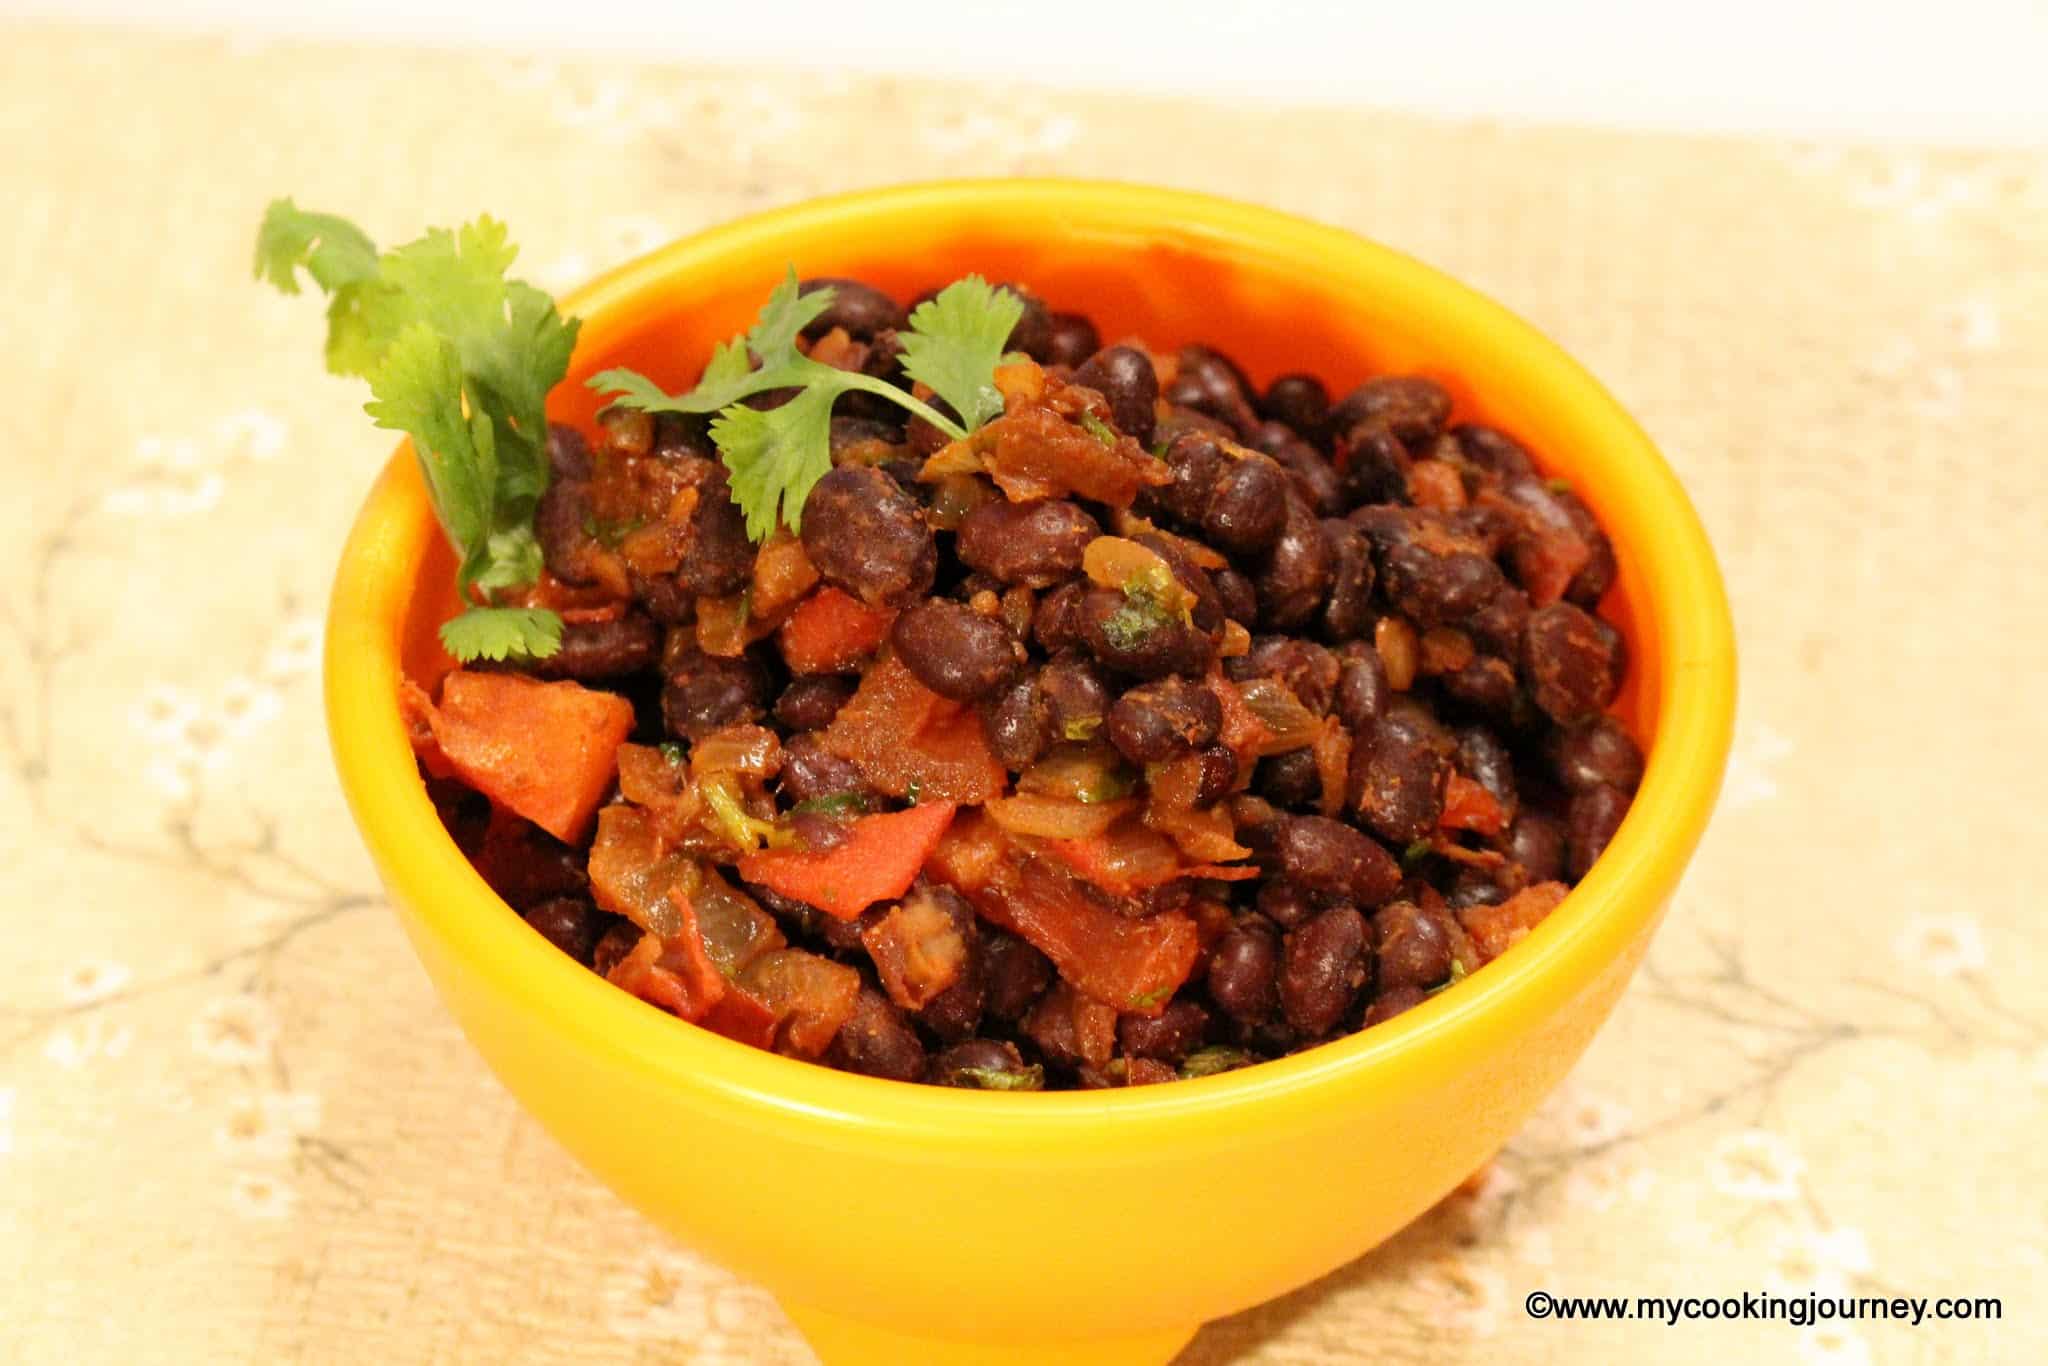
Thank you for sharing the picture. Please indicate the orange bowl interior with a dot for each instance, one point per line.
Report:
(1058, 1191)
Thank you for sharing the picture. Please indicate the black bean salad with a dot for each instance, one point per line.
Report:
(938, 693)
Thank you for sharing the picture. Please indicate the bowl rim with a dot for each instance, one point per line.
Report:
(1601, 916)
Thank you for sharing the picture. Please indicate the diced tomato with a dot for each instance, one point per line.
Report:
(971, 853)
(879, 859)
(831, 632)
(674, 973)
(907, 740)
(1469, 806)
(739, 1016)
(918, 951)
(1496, 929)
(1065, 1022)
(545, 750)
(1033, 452)
(1122, 861)
(809, 996)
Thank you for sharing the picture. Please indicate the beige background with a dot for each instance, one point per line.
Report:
(235, 1125)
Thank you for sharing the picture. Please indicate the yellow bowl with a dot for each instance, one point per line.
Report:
(911, 1224)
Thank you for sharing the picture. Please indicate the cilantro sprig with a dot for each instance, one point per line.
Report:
(952, 345)
(459, 358)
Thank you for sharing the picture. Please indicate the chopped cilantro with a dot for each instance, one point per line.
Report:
(1098, 429)
(1030, 1078)
(1207, 1062)
(838, 804)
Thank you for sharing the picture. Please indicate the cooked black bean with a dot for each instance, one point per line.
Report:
(1314, 476)
(571, 924)
(1073, 340)
(603, 649)
(1298, 400)
(1198, 465)
(1210, 382)
(625, 431)
(1595, 815)
(613, 946)
(683, 435)
(1234, 592)
(1595, 752)
(1430, 570)
(1486, 761)
(1295, 574)
(1486, 684)
(1207, 612)
(860, 308)
(702, 693)
(1392, 1002)
(1573, 662)
(955, 1013)
(568, 453)
(877, 1041)
(810, 772)
(563, 524)
(1335, 859)
(1309, 671)
(1015, 974)
(1492, 450)
(1412, 407)
(1248, 507)
(1156, 721)
(1133, 639)
(819, 832)
(1077, 699)
(1033, 333)
(1536, 843)
(850, 433)
(1497, 627)
(1124, 376)
(810, 702)
(1243, 968)
(1399, 766)
(1411, 945)
(1019, 725)
(1475, 887)
(1348, 614)
(1362, 688)
(954, 650)
(1219, 774)
(1286, 904)
(717, 558)
(1168, 1036)
(867, 536)
(1372, 467)
(1323, 970)
(1056, 620)
(989, 1064)
(1036, 544)
(1289, 779)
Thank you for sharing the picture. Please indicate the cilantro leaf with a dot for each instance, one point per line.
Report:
(776, 456)
(783, 318)
(334, 251)
(955, 341)
(501, 632)
(417, 389)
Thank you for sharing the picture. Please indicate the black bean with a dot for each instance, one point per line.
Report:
(1285, 904)
(1074, 339)
(1016, 975)
(1247, 508)
(683, 435)
(1324, 969)
(718, 559)
(1487, 762)
(1362, 688)
(1209, 382)
(1309, 671)
(860, 308)
(1334, 859)
(1219, 774)
(1432, 571)
(616, 943)
(1399, 766)
(954, 650)
(1168, 1036)
(1239, 600)
(1372, 467)
(568, 453)
(1076, 697)
(1497, 627)
(1411, 407)
(1298, 400)
(1492, 450)
(1019, 725)
(1573, 662)
(984, 1063)
(1295, 574)
(810, 772)
(602, 649)
(1124, 376)
(1348, 613)
(1243, 967)
(1208, 609)
(562, 523)
(1132, 640)
(867, 536)
(1475, 887)
(1056, 620)
(955, 1013)
(702, 693)
(1595, 815)
(1156, 721)
(877, 1041)
(1036, 544)
(663, 598)
(849, 433)
(1314, 476)
(1198, 465)
(1536, 843)
(810, 702)
(1289, 779)
(1411, 945)
(1392, 1002)
(1595, 752)
(1033, 333)
(571, 924)
(818, 832)
(1486, 684)
(1593, 580)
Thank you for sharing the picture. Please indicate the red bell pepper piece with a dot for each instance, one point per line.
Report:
(878, 860)
(546, 751)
